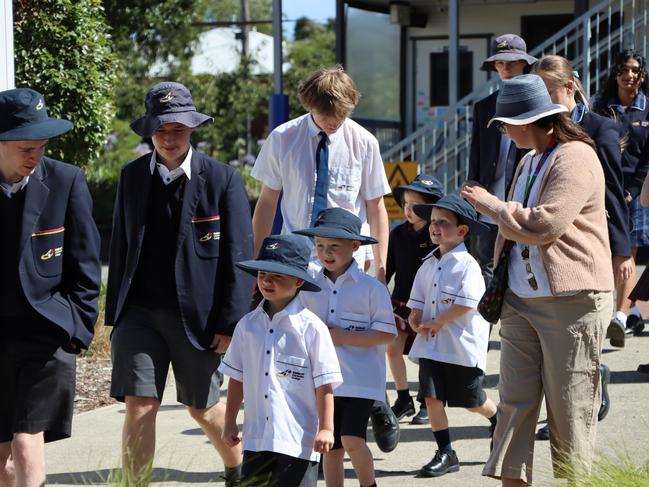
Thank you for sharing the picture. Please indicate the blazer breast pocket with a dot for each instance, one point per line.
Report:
(207, 236)
(47, 249)
(354, 321)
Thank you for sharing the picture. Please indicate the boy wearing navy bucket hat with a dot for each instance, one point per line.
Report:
(357, 309)
(180, 224)
(283, 363)
(409, 243)
(47, 309)
(451, 343)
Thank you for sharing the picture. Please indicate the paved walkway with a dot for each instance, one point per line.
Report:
(184, 456)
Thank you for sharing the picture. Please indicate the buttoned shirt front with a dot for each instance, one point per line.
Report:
(168, 176)
(455, 278)
(357, 302)
(281, 361)
(287, 162)
(11, 189)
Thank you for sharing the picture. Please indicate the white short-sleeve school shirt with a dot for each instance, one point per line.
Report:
(359, 302)
(281, 362)
(455, 278)
(287, 162)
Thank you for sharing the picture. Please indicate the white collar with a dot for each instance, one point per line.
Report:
(452, 253)
(184, 168)
(314, 130)
(11, 189)
(293, 307)
(352, 271)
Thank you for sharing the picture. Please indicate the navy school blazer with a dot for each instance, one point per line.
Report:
(606, 135)
(212, 293)
(485, 145)
(59, 265)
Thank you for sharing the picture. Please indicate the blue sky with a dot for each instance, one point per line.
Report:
(318, 10)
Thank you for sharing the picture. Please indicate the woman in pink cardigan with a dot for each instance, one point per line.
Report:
(560, 281)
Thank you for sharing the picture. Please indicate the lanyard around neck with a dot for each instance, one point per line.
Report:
(531, 178)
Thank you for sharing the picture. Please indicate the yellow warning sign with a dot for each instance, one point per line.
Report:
(399, 174)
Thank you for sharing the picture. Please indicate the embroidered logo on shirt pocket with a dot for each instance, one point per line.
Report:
(47, 248)
(289, 367)
(448, 295)
(207, 235)
(354, 321)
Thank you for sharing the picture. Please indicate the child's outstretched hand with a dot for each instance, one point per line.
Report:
(324, 440)
(231, 435)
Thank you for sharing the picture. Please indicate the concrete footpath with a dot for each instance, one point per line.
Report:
(185, 457)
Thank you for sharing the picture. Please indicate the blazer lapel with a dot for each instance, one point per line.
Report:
(35, 199)
(143, 182)
(193, 191)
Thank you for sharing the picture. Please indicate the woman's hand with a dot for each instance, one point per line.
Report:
(472, 192)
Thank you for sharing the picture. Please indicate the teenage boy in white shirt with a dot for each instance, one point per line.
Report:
(283, 363)
(452, 337)
(357, 309)
(353, 176)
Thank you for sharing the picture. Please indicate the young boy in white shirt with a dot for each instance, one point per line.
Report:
(283, 363)
(452, 337)
(357, 309)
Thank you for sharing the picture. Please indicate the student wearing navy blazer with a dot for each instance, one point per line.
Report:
(181, 223)
(49, 285)
(493, 157)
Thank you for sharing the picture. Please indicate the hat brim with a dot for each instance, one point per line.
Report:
(253, 266)
(46, 129)
(328, 232)
(424, 212)
(488, 64)
(145, 126)
(529, 117)
(397, 193)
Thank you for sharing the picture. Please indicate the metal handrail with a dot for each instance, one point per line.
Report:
(446, 139)
(569, 35)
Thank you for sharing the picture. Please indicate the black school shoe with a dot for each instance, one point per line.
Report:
(543, 434)
(442, 463)
(635, 324)
(403, 407)
(643, 368)
(616, 331)
(421, 417)
(385, 428)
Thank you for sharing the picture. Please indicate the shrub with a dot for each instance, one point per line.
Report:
(63, 51)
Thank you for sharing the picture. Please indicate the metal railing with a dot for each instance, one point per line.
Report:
(442, 146)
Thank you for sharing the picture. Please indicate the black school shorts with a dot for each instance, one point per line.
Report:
(454, 385)
(37, 379)
(351, 415)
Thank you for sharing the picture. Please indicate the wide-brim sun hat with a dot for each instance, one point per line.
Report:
(24, 117)
(168, 102)
(283, 254)
(507, 47)
(454, 203)
(523, 100)
(337, 223)
(423, 184)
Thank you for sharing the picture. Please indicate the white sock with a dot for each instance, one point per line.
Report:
(635, 311)
(620, 316)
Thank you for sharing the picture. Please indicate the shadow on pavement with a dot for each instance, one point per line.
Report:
(101, 477)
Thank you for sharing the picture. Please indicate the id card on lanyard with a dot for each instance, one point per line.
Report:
(529, 183)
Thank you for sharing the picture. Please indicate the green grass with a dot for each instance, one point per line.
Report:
(620, 470)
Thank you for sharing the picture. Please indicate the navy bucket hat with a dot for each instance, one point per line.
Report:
(337, 223)
(283, 254)
(24, 117)
(424, 184)
(507, 47)
(524, 99)
(460, 207)
(168, 102)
